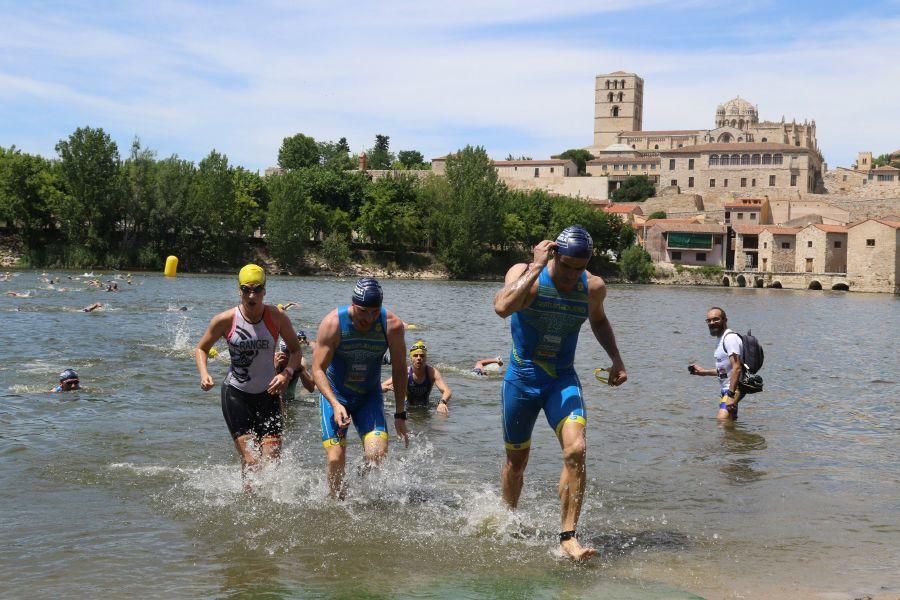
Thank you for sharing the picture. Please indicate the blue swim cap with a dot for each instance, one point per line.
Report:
(575, 241)
(67, 375)
(367, 292)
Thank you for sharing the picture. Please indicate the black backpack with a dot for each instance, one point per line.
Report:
(752, 356)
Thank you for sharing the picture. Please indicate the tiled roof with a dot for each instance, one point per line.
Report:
(885, 169)
(894, 224)
(622, 208)
(529, 163)
(661, 132)
(624, 160)
(830, 228)
(749, 229)
(739, 147)
(691, 227)
(782, 230)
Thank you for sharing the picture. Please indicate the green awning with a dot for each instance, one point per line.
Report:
(701, 241)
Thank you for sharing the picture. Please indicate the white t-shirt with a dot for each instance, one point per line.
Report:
(729, 345)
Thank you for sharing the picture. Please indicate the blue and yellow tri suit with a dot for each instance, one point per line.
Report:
(541, 371)
(355, 378)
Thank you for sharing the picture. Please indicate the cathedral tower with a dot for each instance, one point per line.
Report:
(618, 106)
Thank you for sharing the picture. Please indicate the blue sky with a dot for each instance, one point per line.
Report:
(514, 76)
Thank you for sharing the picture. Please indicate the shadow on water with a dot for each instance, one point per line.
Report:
(740, 446)
(620, 544)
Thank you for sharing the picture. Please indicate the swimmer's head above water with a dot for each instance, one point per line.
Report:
(575, 241)
(68, 380)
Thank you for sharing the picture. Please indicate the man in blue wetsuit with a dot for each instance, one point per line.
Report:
(548, 300)
(346, 367)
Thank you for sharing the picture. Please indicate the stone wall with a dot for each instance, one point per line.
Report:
(773, 255)
(818, 245)
(873, 268)
(587, 188)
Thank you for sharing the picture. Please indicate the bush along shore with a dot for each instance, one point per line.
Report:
(89, 207)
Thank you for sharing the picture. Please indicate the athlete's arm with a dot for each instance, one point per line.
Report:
(518, 289)
(698, 370)
(736, 368)
(286, 331)
(327, 340)
(603, 330)
(397, 347)
(306, 377)
(218, 328)
(446, 392)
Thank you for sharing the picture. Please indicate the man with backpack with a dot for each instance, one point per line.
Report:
(729, 363)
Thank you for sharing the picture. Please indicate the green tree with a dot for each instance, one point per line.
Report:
(217, 235)
(411, 159)
(139, 175)
(636, 188)
(379, 157)
(251, 198)
(29, 187)
(471, 220)
(580, 156)
(168, 224)
(520, 157)
(659, 214)
(297, 152)
(88, 214)
(336, 155)
(636, 264)
(288, 220)
(390, 217)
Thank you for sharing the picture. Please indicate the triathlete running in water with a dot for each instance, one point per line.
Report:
(547, 301)
(346, 366)
(302, 374)
(68, 381)
(421, 379)
(251, 389)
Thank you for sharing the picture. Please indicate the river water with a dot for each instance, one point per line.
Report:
(131, 487)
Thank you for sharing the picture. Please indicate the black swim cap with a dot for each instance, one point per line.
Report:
(67, 375)
(575, 241)
(367, 292)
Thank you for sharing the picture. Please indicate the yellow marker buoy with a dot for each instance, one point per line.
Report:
(171, 266)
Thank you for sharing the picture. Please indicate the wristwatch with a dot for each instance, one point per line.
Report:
(400, 415)
(730, 394)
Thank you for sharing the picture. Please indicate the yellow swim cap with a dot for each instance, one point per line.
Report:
(280, 306)
(252, 275)
(419, 345)
(212, 353)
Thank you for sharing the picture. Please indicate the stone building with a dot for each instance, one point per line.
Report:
(748, 211)
(529, 169)
(677, 242)
(777, 249)
(821, 249)
(873, 256)
(627, 212)
(746, 246)
(740, 151)
(747, 168)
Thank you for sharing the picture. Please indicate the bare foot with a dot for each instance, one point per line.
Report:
(574, 550)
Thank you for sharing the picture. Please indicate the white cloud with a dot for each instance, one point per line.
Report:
(190, 78)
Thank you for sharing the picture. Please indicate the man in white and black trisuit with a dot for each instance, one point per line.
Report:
(251, 389)
(727, 355)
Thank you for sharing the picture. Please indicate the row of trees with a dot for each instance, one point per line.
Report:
(90, 207)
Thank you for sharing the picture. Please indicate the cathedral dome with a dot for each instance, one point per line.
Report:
(737, 107)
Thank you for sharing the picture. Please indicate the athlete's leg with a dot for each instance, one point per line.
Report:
(270, 448)
(372, 428)
(513, 476)
(334, 442)
(564, 407)
(249, 450)
(520, 411)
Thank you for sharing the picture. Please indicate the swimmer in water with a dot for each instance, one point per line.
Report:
(287, 306)
(92, 307)
(346, 366)
(422, 377)
(251, 390)
(547, 301)
(18, 294)
(302, 374)
(480, 365)
(68, 381)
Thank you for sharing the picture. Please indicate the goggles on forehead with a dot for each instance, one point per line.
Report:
(418, 347)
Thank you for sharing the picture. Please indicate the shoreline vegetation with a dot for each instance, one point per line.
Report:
(89, 208)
